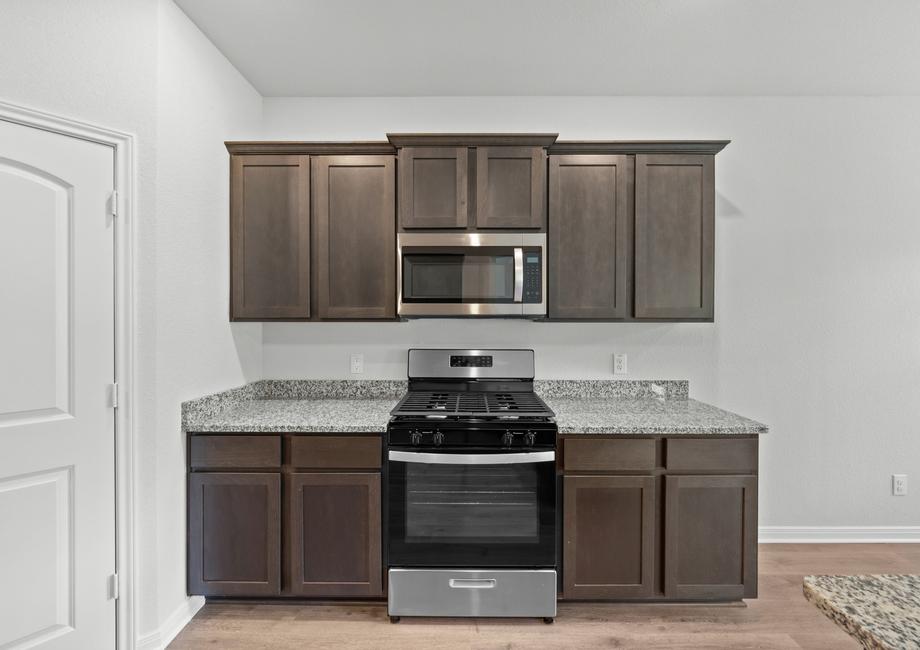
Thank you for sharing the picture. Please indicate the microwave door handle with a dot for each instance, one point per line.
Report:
(472, 459)
(518, 274)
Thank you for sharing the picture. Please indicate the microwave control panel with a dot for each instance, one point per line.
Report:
(533, 276)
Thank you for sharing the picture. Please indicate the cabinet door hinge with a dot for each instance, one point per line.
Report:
(113, 586)
(113, 203)
(113, 395)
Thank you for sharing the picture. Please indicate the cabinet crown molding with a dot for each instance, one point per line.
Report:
(311, 148)
(471, 139)
(546, 140)
(637, 146)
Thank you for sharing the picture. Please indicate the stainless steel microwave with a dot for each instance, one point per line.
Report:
(471, 274)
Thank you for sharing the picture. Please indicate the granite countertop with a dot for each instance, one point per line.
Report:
(595, 407)
(881, 611)
(302, 415)
(649, 416)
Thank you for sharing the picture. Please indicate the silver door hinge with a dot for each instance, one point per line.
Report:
(113, 395)
(113, 203)
(113, 586)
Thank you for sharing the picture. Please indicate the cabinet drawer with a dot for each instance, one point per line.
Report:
(335, 452)
(735, 455)
(242, 452)
(583, 454)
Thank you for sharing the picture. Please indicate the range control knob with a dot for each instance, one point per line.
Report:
(438, 438)
(507, 439)
(415, 438)
(529, 438)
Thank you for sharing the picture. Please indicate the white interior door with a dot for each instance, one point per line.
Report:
(57, 429)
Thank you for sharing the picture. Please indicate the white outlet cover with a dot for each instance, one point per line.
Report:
(357, 363)
(620, 366)
(899, 485)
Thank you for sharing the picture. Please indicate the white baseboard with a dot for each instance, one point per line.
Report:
(839, 534)
(163, 636)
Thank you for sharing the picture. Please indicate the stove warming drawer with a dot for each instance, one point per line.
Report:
(468, 592)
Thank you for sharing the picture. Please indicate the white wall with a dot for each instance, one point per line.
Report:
(201, 101)
(817, 328)
(140, 66)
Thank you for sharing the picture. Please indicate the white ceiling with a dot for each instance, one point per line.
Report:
(568, 47)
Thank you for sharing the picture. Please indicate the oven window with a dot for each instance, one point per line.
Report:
(481, 277)
(471, 514)
(491, 504)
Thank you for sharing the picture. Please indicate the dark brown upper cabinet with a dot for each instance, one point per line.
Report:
(269, 237)
(472, 181)
(710, 537)
(334, 534)
(589, 236)
(631, 223)
(674, 237)
(511, 188)
(433, 187)
(354, 212)
(234, 536)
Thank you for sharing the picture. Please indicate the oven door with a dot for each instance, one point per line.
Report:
(456, 509)
(469, 274)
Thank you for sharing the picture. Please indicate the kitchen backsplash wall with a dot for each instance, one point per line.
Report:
(563, 350)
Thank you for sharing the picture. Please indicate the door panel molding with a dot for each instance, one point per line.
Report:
(32, 343)
(59, 557)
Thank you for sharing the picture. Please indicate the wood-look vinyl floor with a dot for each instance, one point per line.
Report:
(780, 618)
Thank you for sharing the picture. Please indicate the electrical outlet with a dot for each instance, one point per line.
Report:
(357, 363)
(899, 485)
(619, 364)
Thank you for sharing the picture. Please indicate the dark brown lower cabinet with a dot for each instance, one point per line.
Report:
(609, 537)
(663, 518)
(284, 515)
(710, 537)
(234, 534)
(334, 534)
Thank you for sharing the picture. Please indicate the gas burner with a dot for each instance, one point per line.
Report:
(467, 403)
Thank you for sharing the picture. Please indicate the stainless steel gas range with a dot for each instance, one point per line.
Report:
(471, 495)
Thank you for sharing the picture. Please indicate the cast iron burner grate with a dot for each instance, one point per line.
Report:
(471, 404)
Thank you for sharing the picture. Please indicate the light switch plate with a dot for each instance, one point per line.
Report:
(357, 363)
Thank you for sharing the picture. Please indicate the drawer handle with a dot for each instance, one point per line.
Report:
(459, 583)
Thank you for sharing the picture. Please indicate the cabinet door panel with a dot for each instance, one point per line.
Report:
(589, 229)
(269, 237)
(433, 187)
(609, 537)
(354, 203)
(335, 534)
(675, 236)
(234, 534)
(710, 537)
(510, 187)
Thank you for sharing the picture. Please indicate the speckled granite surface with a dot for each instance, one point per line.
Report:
(881, 611)
(598, 407)
(302, 415)
(331, 388)
(649, 416)
(296, 405)
(612, 388)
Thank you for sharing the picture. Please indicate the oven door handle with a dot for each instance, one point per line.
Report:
(472, 459)
(518, 274)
